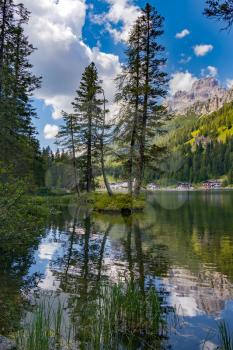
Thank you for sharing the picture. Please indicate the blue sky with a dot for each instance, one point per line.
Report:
(72, 33)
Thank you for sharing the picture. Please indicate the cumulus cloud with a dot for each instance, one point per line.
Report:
(55, 28)
(50, 131)
(202, 50)
(181, 81)
(213, 71)
(210, 71)
(121, 12)
(182, 34)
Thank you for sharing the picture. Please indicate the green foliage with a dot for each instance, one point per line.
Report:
(89, 116)
(124, 314)
(121, 314)
(117, 202)
(201, 148)
(141, 86)
(22, 222)
(19, 150)
(43, 331)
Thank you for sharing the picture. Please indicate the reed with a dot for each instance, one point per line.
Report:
(121, 316)
(225, 337)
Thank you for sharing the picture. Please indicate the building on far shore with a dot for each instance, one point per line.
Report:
(212, 184)
(184, 186)
(119, 186)
(152, 187)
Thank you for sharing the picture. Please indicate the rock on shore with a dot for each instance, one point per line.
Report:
(6, 344)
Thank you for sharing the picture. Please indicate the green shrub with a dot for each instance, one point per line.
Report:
(117, 202)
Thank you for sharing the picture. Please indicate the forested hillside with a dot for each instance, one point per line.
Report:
(201, 148)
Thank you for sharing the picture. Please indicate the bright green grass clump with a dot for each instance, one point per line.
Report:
(119, 201)
(121, 316)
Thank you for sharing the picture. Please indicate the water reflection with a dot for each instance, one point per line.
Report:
(182, 244)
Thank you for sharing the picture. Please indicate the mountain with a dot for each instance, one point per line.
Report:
(206, 96)
(201, 148)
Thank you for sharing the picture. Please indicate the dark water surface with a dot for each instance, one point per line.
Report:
(182, 244)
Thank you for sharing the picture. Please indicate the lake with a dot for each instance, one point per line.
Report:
(182, 244)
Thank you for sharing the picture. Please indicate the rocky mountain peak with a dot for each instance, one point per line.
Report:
(205, 96)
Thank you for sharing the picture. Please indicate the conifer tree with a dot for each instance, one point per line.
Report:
(89, 116)
(141, 86)
(222, 10)
(67, 138)
(130, 98)
(103, 139)
(18, 146)
(154, 88)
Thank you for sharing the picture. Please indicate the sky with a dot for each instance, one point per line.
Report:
(70, 34)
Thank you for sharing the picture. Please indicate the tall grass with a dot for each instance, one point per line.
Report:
(225, 337)
(45, 329)
(125, 315)
(120, 317)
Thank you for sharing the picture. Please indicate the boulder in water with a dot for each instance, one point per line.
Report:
(6, 344)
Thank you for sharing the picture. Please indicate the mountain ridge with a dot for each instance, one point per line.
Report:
(205, 97)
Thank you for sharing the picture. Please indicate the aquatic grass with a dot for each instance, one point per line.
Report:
(119, 316)
(225, 337)
(125, 314)
(45, 329)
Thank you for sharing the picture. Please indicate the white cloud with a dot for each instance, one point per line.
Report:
(229, 83)
(213, 71)
(210, 71)
(185, 59)
(56, 30)
(50, 131)
(181, 81)
(202, 50)
(121, 12)
(182, 34)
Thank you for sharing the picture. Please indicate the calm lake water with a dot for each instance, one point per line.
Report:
(182, 244)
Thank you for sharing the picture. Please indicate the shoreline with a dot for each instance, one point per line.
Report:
(168, 189)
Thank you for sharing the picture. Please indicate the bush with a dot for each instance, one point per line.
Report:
(117, 202)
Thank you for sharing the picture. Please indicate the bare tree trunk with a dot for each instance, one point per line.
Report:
(2, 44)
(107, 185)
(135, 120)
(89, 155)
(76, 177)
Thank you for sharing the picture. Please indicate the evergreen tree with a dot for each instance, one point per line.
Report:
(154, 87)
(68, 139)
(89, 119)
(141, 86)
(222, 10)
(18, 146)
(130, 97)
(103, 138)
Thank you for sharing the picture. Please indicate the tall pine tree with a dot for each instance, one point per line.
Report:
(154, 89)
(67, 138)
(88, 106)
(141, 86)
(18, 146)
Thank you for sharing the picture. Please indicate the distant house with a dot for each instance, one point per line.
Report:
(152, 187)
(212, 184)
(119, 186)
(184, 186)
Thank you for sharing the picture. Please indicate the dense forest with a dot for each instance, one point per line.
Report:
(141, 144)
(201, 148)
